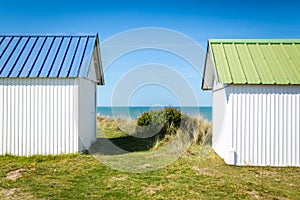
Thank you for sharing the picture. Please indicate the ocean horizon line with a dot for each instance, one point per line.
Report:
(155, 106)
(135, 111)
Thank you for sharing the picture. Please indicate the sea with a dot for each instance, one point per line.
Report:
(134, 112)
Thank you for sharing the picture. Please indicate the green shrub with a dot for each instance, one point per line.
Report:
(164, 121)
(168, 122)
(167, 115)
(144, 119)
(173, 116)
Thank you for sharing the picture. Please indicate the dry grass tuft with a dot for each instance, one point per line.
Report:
(151, 189)
(14, 175)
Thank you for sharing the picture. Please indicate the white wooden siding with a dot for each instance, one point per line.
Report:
(261, 126)
(38, 116)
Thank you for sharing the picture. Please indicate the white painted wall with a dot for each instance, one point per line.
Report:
(38, 116)
(262, 125)
(220, 136)
(46, 116)
(87, 113)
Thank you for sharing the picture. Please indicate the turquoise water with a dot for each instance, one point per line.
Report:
(135, 111)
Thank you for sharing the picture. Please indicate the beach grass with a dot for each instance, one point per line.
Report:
(197, 174)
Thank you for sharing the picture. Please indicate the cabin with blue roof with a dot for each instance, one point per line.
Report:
(48, 93)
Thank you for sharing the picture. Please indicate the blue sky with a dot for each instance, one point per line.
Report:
(196, 19)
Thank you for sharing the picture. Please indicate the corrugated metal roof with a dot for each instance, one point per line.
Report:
(45, 56)
(256, 61)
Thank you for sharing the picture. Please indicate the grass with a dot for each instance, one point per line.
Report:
(195, 175)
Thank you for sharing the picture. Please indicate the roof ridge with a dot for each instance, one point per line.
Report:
(49, 35)
(270, 40)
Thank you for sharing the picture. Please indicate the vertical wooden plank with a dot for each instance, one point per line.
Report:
(1, 117)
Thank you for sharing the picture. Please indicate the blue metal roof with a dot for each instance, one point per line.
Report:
(45, 56)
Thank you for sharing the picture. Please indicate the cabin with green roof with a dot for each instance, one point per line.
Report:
(255, 86)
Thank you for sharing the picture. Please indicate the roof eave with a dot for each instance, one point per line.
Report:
(99, 66)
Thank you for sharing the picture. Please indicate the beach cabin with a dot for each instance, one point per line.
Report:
(256, 100)
(48, 93)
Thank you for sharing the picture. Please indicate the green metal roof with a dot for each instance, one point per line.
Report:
(256, 61)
